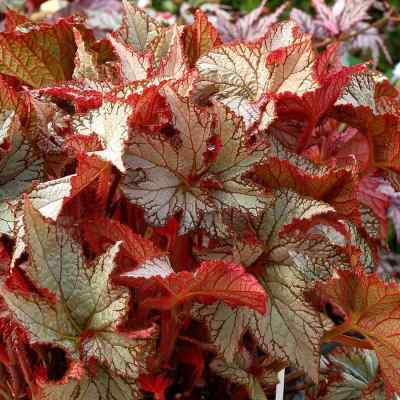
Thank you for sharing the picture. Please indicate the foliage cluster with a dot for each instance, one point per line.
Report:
(181, 216)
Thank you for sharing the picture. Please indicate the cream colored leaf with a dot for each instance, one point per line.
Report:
(44, 323)
(159, 172)
(102, 386)
(110, 123)
(138, 29)
(235, 374)
(18, 168)
(121, 354)
(134, 66)
(86, 66)
(48, 197)
(158, 266)
(291, 328)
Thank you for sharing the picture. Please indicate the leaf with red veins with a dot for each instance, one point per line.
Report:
(291, 69)
(360, 90)
(117, 352)
(83, 301)
(300, 113)
(335, 186)
(49, 197)
(44, 322)
(378, 202)
(150, 110)
(236, 75)
(282, 34)
(138, 29)
(161, 177)
(237, 375)
(101, 386)
(134, 66)
(174, 64)
(9, 98)
(233, 160)
(86, 64)
(282, 209)
(212, 282)
(361, 250)
(239, 75)
(292, 328)
(19, 166)
(42, 56)
(199, 38)
(372, 309)
(290, 265)
(152, 268)
(226, 326)
(110, 124)
(57, 264)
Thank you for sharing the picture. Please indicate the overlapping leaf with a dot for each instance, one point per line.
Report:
(110, 124)
(371, 308)
(240, 74)
(101, 386)
(84, 300)
(19, 166)
(42, 56)
(170, 175)
(289, 264)
(211, 282)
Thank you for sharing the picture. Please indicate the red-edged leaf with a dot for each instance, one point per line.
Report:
(110, 124)
(199, 38)
(138, 29)
(162, 171)
(41, 56)
(135, 66)
(212, 281)
(139, 256)
(372, 308)
(335, 186)
(299, 115)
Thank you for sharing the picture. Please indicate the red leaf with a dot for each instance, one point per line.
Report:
(212, 281)
(151, 112)
(199, 38)
(82, 99)
(372, 308)
(156, 384)
(102, 232)
(336, 187)
(298, 116)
